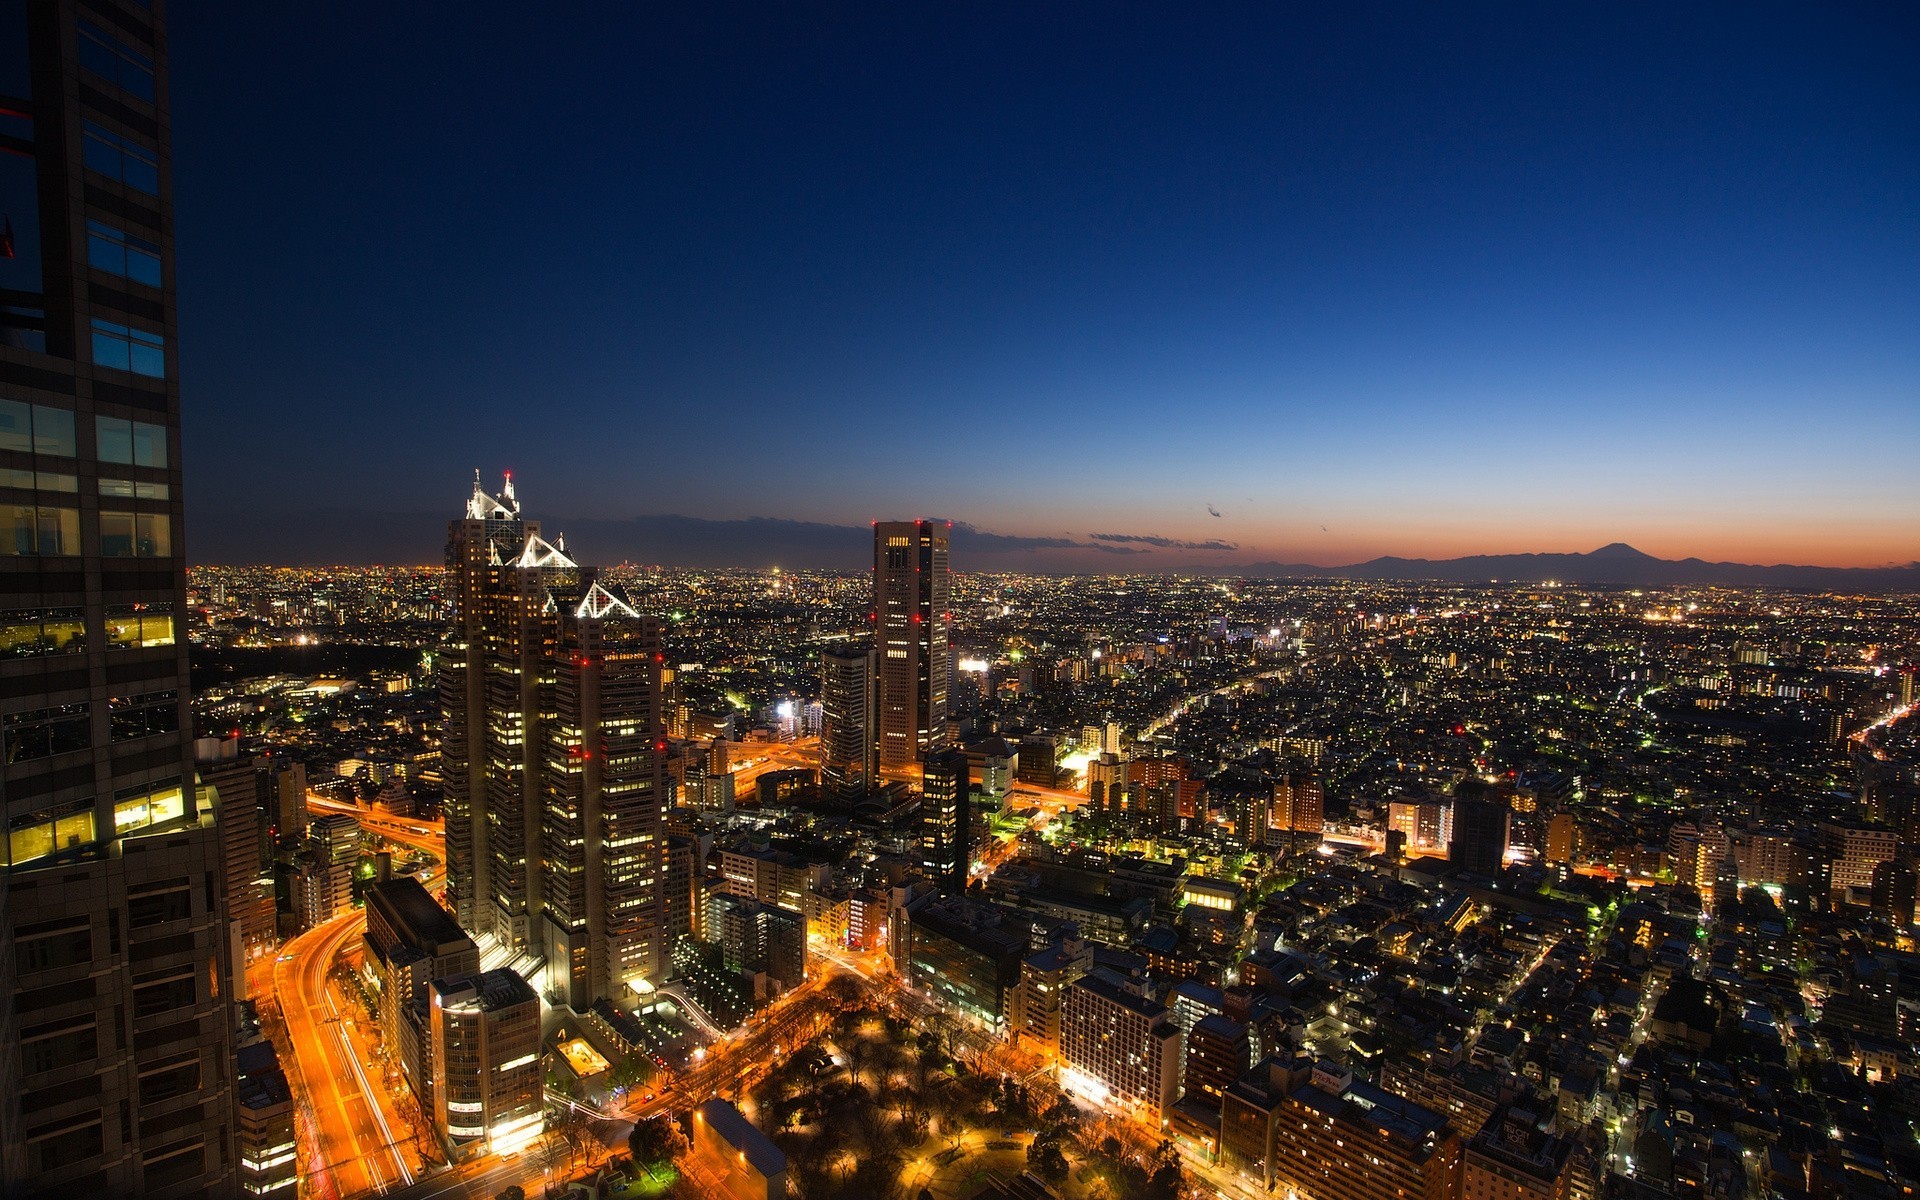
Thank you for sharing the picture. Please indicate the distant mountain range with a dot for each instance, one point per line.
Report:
(1618, 565)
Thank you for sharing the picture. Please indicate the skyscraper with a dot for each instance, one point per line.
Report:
(913, 635)
(1479, 836)
(116, 1042)
(554, 745)
(946, 819)
(848, 748)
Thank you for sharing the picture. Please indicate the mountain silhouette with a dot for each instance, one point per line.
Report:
(1616, 564)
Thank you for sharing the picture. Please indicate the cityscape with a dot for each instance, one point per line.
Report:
(941, 861)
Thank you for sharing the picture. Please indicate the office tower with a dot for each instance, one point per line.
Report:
(412, 941)
(849, 765)
(946, 819)
(113, 921)
(1118, 1043)
(913, 634)
(485, 1032)
(235, 787)
(290, 799)
(554, 746)
(677, 900)
(263, 1127)
(1479, 836)
(604, 851)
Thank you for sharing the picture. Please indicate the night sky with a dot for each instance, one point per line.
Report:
(1411, 279)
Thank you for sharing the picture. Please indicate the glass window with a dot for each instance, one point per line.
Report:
(39, 529)
(116, 534)
(13, 477)
(46, 731)
(32, 631)
(53, 432)
(127, 349)
(16, 426)
(135, 443)
(118, 489)
(113, 439)
(144, 715)
(137, 626)
(37, 834)
(135, 535)
(50, 481)
(115, 61)
(153, 535)
(135, 809)
(59, 531)
(150, 491)
(121, 158)
(120, 253)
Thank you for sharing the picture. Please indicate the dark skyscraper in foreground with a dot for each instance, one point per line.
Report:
(946, 819)
(847, 747)
(913, 635)
(116, 1054)
(553, 743)
(1479, 836)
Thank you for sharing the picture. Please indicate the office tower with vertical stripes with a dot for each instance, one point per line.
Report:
(913, 636)
(554, 744)
(116, 1027)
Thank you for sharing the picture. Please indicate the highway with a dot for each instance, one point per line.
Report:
(357, 1141)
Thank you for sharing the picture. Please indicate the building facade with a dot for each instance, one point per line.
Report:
(486, 1063)
(946, 819)
(913, 638)
(849, 745)
(554, 748)
(1116, 1042)
(116, 1042)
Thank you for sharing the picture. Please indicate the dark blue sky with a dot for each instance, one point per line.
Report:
(1402, 279)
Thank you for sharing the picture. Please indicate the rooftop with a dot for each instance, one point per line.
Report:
(735, 1130)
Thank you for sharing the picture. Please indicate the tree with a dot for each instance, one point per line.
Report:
(631, 1072)
(653, 1141)
(1044, 1158)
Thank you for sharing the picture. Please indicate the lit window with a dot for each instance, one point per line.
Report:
(27, 529)
(137, 809)
(60, 829)
(138, 626)
(135, 535)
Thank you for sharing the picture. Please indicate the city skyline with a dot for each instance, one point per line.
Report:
(1448, 284)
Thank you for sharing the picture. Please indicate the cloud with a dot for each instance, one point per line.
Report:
(1162, 543)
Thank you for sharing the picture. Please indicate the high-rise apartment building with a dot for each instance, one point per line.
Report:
(913, 637)
(1118, 1043)
(116, 1043)
(946, 819)
(849, 745)
(554, 746)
